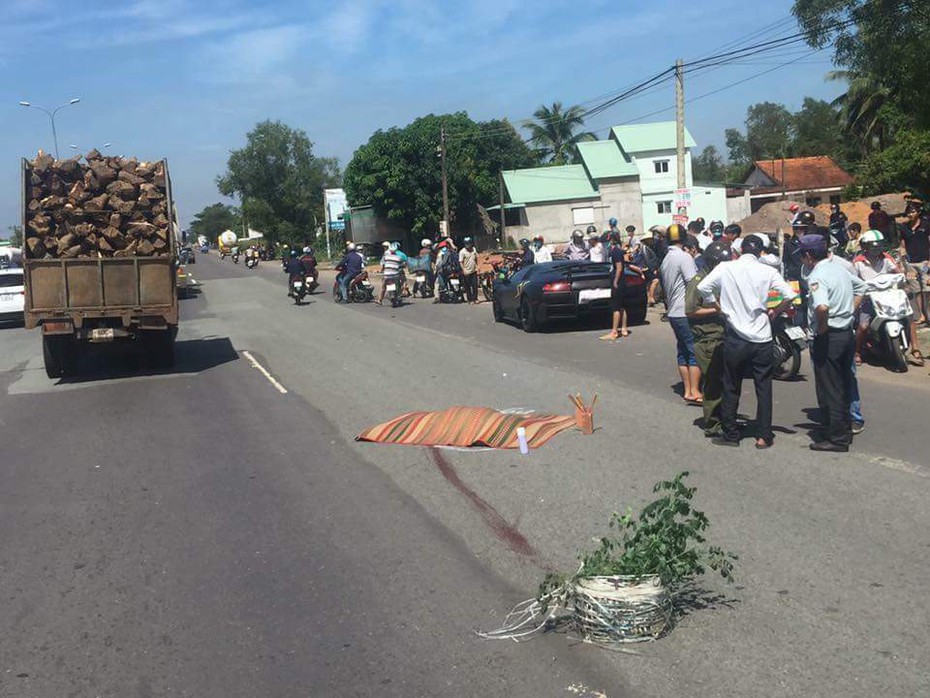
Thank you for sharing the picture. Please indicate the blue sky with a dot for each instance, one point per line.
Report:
(186, 79)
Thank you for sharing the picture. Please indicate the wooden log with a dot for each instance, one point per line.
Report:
(68, 168)
(98, 203)
(115, 221)
(52, 202)
(71, 252)
(141, 229)
(41, 225)
(92, 154)
(36, 247)
(83, 230)
(145, 249)
(120, 206)
(160, 246)
(90, 181)
(126, 175)
(56, 185)
(33, 206)
(103, 172)
(75, 214)
(42, 163)
(104, 245)
(78, 192)
(123, 190)
(151, 191)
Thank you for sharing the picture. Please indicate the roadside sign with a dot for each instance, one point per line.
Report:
(682, 198)
(680, 219)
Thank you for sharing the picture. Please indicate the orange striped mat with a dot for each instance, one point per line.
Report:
(467, 426)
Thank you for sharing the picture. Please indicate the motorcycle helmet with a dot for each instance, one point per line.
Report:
(386, 245)
(426, 242)
(716, 228)
(538, 238)
(307, 250)
(612, 222)
(524, 243)
(593, 229)
(717, 252)
(675, 234)
(763, 239)
(871, 237)
(794, 208)
(293, 253)
(350, 246)
(577, 235)
(805, 219)
(467, 241)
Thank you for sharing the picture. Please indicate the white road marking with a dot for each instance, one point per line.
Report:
(271, 379)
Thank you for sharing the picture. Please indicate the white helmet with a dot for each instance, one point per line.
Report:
(385, 244)
(871, 237)
(426, 242)
(306, 250)
(351, 246)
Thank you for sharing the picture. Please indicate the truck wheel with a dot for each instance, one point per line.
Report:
(158, 348)
(59, 354)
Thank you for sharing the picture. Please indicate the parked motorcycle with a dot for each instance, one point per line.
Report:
(486, 281)
(888, 337)
(422, 285)
(394, 291)
(789, 341)
(452, 291)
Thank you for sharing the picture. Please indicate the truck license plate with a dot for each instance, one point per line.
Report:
(795, 333)
(6, 296)
(391, 288)
(455, 283)
(421, 279)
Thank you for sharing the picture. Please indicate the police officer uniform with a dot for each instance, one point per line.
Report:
(832, 350)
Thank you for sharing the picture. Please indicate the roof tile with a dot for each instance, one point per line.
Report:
(803, 174)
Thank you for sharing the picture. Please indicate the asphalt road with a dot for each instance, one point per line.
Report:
(201, 533)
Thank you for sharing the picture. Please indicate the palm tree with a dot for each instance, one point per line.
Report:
(862, 109)
(553, 133)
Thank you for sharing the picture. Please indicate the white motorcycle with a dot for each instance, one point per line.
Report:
(889, 332)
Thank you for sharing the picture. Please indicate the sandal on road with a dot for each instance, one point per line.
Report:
(917, 358)
(609, 337)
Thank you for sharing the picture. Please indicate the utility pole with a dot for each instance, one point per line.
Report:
(445, 184)
(680, 126)
(500, 184)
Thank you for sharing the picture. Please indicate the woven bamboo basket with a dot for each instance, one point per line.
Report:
(612, 610)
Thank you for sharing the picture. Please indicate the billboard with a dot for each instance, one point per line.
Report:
(334, 201)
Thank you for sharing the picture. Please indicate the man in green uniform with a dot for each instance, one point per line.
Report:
(708, 327)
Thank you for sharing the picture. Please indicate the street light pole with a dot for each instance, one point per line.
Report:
(51, 116)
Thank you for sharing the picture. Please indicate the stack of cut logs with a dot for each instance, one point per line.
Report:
(102, 207)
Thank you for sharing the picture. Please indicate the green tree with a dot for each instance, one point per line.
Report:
(865, 110)
(708, 166)
(398, 171)
(16, 235)
(737, 146)
(214, 219)
(280, 182)
(768, 131)
(554, 131)
(817, 131)
(902, 166)
(884, 40)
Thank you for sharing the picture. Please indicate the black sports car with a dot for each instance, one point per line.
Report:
(562, 290)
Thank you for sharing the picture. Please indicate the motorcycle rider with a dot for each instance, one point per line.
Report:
(708, 328)
(528, 257)
(391, 271)
(541, 253)
(576, 250)
(308, 260)
(872, 261)
(597, 252)
(838, 222)
(294, 270)
(349, 267)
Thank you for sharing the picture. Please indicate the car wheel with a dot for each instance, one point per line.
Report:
(527, 319)
(497, 310)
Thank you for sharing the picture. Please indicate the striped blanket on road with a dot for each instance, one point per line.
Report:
(467, 426)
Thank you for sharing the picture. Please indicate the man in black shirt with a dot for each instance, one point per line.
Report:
(915, 235)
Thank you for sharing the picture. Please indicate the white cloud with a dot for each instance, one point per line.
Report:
(251, 56)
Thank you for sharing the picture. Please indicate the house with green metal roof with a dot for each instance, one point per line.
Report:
(630, 176)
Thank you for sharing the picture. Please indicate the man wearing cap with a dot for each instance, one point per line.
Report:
(742, 289)
(834, 297)
(677, 270)
(732, 235)
(631, 242)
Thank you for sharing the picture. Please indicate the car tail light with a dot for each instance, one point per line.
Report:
(557, 287)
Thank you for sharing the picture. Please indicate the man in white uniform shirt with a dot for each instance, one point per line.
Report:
(742, 289)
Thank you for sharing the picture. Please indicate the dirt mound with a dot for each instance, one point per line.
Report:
(858, 211)
(776, 214)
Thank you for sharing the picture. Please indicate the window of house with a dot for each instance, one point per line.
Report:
(664, 206)
(813, 201)
(583, 216)
(661, 166)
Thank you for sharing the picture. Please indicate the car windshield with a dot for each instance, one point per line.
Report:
(11, 280)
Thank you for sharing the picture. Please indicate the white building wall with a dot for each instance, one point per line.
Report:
(653, 182)
(738, 207)
(707, 202)
(555, 221)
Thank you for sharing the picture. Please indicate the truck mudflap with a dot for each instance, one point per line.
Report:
(57, 327)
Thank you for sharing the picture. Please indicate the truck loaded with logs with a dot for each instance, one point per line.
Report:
(99, 256)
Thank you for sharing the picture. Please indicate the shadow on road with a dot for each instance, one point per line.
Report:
(191, 356)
